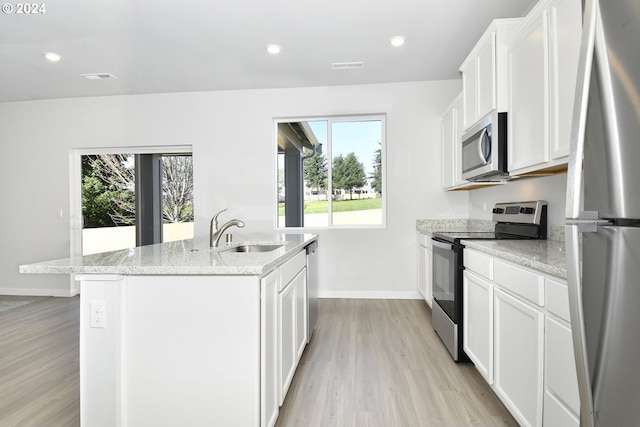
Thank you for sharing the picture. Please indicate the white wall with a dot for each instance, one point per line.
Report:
(553, 189)
(231, 133)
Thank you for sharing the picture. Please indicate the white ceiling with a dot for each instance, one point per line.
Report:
(197, 45)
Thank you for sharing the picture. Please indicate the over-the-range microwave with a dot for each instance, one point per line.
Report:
(484, 149)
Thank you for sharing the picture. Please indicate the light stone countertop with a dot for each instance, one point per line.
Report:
(547, 256)
(184, 257)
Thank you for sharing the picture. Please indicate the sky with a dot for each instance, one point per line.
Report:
(362, 138)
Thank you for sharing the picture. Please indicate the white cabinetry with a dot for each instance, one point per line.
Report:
(425, 259)
(519, 338)
(478, 313)
(517, 333)
(542, 60)
(269, 381)
(292, 319)
(561, 398)
(452, 145)
(483, 73)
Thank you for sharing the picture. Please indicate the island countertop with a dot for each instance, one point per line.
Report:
(183, 257)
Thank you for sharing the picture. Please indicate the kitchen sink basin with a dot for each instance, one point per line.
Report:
(254, 248)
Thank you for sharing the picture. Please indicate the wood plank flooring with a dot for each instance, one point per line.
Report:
(39, 381)
(379, 363)
(370, 363)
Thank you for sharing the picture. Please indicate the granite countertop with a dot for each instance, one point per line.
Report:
(547, 256)
(184, 257)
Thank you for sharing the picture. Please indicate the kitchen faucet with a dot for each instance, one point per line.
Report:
(215, 232)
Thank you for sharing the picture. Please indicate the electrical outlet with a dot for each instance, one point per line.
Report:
(98, 314)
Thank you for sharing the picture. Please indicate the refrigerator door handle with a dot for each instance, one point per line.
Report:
(579, 119)
(576, 308)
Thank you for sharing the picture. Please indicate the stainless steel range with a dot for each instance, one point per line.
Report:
(514, 220)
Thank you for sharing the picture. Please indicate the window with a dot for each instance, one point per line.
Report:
(134, 199)
(348, 190)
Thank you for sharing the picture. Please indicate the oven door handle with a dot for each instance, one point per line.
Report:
(442, 245)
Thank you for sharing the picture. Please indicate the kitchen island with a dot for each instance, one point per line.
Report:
(181, 334)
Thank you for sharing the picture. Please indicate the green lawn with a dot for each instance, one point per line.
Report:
(341, 206)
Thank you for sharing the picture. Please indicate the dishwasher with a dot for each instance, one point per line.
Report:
(312, 286)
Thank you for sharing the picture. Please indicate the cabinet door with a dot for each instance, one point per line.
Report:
(424, 273)
(269, 349)
(286, 338)
(300, 283)
(448, 133)
(561, 378)
(469, 93)
(519, 332)
(451, 134)
(486, 72)
(478, 323)
(528, 119)
(565, 30)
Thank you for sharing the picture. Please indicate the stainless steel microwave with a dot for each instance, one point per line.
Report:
(484, 149)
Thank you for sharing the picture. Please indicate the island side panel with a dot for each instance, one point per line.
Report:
(100, 369)
(189, 350)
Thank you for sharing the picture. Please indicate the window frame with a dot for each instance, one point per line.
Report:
(75, 181)
(330, 119)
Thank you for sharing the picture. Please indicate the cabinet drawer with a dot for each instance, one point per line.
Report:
(557, 295)
(525, 283)
(289, 269)
(478, 263)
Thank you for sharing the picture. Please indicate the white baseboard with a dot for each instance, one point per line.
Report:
(370, 294)
(38, 292)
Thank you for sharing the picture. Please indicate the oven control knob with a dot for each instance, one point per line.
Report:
(528, 211)
(498, 210)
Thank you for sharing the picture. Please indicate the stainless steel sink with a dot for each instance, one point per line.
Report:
(254, 248)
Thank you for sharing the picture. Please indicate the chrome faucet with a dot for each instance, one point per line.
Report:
(215, 232)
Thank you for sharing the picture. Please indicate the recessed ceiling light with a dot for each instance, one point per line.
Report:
(52, 56)
(274, 49)
(397, 41)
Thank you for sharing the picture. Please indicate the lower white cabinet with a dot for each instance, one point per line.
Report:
(269, 381)
(425, 256)
(519, 351)
(517, 332)
(478, 323)
(292, 320)
(287, 335)
(561, 400)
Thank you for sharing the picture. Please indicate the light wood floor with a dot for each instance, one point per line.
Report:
(39, 382)
(379, 363)
(370, 363)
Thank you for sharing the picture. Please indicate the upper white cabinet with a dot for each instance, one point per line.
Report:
(542, 65)
(484, 72)
(452, 145)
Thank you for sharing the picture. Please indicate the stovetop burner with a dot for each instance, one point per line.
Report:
(514, 220)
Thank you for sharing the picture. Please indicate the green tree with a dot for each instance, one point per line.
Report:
(108, 190)
(348, 173)
(376, 177)
(315, 171)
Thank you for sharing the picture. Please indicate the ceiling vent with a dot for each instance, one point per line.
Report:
(346, 65)
(99, 76)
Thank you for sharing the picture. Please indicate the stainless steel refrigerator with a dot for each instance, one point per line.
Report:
(603, 215)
